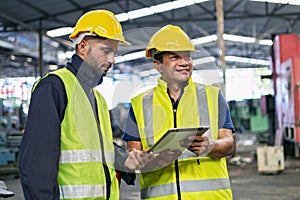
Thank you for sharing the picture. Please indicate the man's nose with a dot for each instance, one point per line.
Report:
(184, 61)
(111, 58)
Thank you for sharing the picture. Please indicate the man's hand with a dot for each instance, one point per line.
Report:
(199, 144)
(161, 160)
(138, 159)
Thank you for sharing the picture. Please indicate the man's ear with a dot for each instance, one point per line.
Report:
(157, 65)
(82, 48)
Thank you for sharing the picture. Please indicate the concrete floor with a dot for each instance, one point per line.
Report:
(247, 183)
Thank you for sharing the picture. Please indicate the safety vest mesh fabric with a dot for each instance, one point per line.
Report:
(200, 177)
(81, 175)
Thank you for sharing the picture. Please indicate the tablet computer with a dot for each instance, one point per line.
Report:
(171, 139)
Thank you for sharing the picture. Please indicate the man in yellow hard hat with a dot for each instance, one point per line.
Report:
(67, 150)
(177, 102)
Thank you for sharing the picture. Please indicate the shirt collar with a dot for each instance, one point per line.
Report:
(86, 75)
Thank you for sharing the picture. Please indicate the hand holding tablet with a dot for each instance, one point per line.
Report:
(171, 145)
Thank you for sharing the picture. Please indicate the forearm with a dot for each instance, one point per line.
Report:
(224, 146)
(134, 145)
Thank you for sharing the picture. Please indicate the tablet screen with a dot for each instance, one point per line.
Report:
(171, 139)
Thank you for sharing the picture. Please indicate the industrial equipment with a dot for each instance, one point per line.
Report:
(286, 80)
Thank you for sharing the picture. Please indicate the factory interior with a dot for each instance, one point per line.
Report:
(250, 49)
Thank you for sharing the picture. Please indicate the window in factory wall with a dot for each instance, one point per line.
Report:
(250, 83)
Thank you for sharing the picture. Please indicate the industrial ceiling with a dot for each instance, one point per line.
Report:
(24, 22)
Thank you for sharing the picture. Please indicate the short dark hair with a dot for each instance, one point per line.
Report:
(159, 56)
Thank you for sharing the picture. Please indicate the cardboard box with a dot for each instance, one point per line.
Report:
(270, 160)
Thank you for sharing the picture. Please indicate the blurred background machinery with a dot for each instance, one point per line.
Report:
(11, 128)
(286, 80)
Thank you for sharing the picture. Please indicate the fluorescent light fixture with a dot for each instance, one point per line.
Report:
(122, 17)
(233, 38)
(265, 42)
(204, 40)
(130, 56)
(60, 31)
(243, 39)
(140, 13)
(247, 60)
(6, 45)
(290, 2)
(237, 38)
(53, 67)
(172, 5)
(200, 61)
(159, 8)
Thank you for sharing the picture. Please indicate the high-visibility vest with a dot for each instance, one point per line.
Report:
(81, 173)
(198, 177)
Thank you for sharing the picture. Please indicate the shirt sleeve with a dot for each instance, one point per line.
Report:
(40, 146)
(224, 114)
(131, 130)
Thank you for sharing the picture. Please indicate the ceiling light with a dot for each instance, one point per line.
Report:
(247, 60)
(29, 59)
(122, 17)
(159, 8)
(130, 56)
(265, 42)
(6, 45)
(238, 38)
(204, 40)
(12, 57)
(200, 61)
(60, 31)
(52, 67)
(140, 13)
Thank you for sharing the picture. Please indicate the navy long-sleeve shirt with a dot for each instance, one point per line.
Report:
(40, 147)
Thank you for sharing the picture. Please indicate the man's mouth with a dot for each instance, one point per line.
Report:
(183, 70)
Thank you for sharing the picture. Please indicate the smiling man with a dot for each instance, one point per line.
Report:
(178, 102)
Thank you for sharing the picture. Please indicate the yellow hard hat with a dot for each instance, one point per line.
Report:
(169, 38)
(100, 22)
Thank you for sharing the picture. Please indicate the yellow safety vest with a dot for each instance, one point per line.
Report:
(198, 177)
(81, 175)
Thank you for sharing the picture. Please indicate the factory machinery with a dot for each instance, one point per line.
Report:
(286, 80)
(10, 138)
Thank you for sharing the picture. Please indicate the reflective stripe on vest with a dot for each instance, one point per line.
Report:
(74, 156)
(147, 111)
(185, 186)
(202, 105)
(82, 191)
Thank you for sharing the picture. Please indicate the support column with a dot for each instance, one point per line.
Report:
(221, 45)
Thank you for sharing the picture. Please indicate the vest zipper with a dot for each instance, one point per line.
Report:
(176, 163)
(105, 167)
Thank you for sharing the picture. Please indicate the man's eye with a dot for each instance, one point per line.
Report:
(106, 50)
(174, 57)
